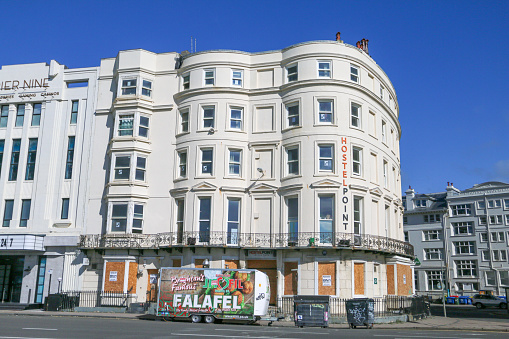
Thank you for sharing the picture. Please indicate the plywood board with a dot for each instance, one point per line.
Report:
(198, 263)
(232, 264)
(390, 280)
(268, 267)
(152, 286)
(118, 285)
(358, 274)
(177, 262)
(326, 270)
(405, 279)
(290, 278)
(133, 278)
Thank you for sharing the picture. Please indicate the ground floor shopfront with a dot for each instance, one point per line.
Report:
(34, 266)
(345, 273)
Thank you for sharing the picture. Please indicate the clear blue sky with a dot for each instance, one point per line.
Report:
(448, 60)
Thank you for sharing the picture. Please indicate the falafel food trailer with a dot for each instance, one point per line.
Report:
(209, 294)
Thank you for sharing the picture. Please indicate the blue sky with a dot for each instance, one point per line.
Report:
(448, 60)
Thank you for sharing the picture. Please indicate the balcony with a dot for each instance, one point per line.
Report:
(295, 240)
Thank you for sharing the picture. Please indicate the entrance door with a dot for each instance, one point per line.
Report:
(152, 288)
(11, 276)
(5, 275)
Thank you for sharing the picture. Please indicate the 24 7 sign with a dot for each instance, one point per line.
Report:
(6, 242)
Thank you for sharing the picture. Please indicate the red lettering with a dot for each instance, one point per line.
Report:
(343, 140)
(344, 183)
(344, 157)
(344, 174)
(344, 165)
(344, 149)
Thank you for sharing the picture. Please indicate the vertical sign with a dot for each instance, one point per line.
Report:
(344, 200)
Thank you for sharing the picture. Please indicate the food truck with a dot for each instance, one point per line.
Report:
(208, 294)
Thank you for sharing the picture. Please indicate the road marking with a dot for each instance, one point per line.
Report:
(414, 336)
(222, 336)
(258, 331)
(40, 329)
(23, 338)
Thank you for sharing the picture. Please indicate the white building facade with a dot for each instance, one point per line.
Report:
(46, 121)
(285, 161)
(460, 238)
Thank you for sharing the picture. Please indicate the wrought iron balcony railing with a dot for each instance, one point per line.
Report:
(247, 240)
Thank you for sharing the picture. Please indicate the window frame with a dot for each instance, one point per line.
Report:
(237, 223)
(24, 214)
(201, 161)
(456, 226)
(331, 219)
(290, 163)
(460, 246)
(4, 118)
(14, 161)
(330, 113)
(239, 80)
(207, 79)
(140, 88)
(74, 112)
(464, 265)
(136, 127)
(8, 212)
(432, 235)
(182, 174)
(355, 76)
(20, 115)
(358, 215)
(186, 84)
(69, 160)
(358, 162)
(234, 163)
(292, 76)
(231, 119)
(31, 159)
(357, 118)
(36, 118)
(456, 209)
(430, 253)
(182, 122)
(287, 121)
(325, 70)
(133, 168)
(321, 158)
(129, 217)
(203, 119)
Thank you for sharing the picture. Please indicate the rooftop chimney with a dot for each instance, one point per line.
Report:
(338, 37)
(451, 190)
(410, 195)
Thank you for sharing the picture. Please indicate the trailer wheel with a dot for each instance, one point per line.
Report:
(209, 319)
(196, 318)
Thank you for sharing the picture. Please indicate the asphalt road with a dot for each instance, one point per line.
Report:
(25, 327)
(470, 312)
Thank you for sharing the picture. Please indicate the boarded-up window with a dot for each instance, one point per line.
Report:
(263, 119)
(268, 267)
(262, 215)
(390, 280)
(291, 278)
(114, 276)
(177, 262)
(231, 264)
(327, 278)
(198, 263)
(405, 280)
(358, 276)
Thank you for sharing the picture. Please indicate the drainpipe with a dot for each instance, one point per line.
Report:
(488, 233)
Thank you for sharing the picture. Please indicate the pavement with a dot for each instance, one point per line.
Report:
(430, 323)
